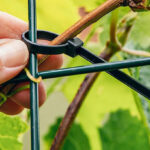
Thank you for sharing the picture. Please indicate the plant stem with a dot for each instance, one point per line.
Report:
(74, 107)
(84, 22)
(113, 26)
(111, 48)
(136, 52)
(89, 19)
(85, 87)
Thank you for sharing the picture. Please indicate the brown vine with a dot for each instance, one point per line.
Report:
(86, 84)
(84, 22)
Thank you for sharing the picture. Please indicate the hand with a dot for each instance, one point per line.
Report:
(14, 57)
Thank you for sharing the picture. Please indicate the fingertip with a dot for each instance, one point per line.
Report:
(11, 108)
(42, 94)
(23, 97)
(13, 58)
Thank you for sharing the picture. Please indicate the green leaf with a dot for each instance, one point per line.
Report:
(140, 35)
(123, 132)
(11, 126)
(144, 75)
(10, 130)
(144, 79)
(9, 143)
(76, 139)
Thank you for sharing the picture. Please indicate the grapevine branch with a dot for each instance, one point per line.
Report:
(89, 19)
(88, 81)
(75, 106)
(136, 52)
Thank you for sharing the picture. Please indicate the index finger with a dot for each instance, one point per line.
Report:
(11, 27)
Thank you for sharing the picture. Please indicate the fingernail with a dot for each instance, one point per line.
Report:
(13, 53)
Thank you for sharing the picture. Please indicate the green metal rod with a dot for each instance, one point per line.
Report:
(94, 68)
(85, 69)
(34, 99)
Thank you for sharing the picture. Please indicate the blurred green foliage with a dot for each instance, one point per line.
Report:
(53, 15)
(123, 132)
(107, 94)
(10, 130)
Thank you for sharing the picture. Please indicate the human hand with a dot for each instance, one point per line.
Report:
(14, 57)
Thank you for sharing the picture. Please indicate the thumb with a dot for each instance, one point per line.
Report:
(13, 58)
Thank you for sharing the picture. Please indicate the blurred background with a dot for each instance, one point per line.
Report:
(109, 117)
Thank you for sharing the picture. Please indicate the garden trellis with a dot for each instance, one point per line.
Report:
(72, 48)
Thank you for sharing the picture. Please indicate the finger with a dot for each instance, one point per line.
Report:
(13, 58)
(15, 29)
(11, 27)
(23, 98)
(11, 108)
(52, 62)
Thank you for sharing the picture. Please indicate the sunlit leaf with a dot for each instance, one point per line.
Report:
(9, 143)
(123, 132)
(10, 130)
(11, 126)
(140, 35)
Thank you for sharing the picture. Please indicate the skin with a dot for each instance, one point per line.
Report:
(14, 57)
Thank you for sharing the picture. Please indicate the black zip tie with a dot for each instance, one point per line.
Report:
(68, 48)
(74, 47)
(121, 76)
